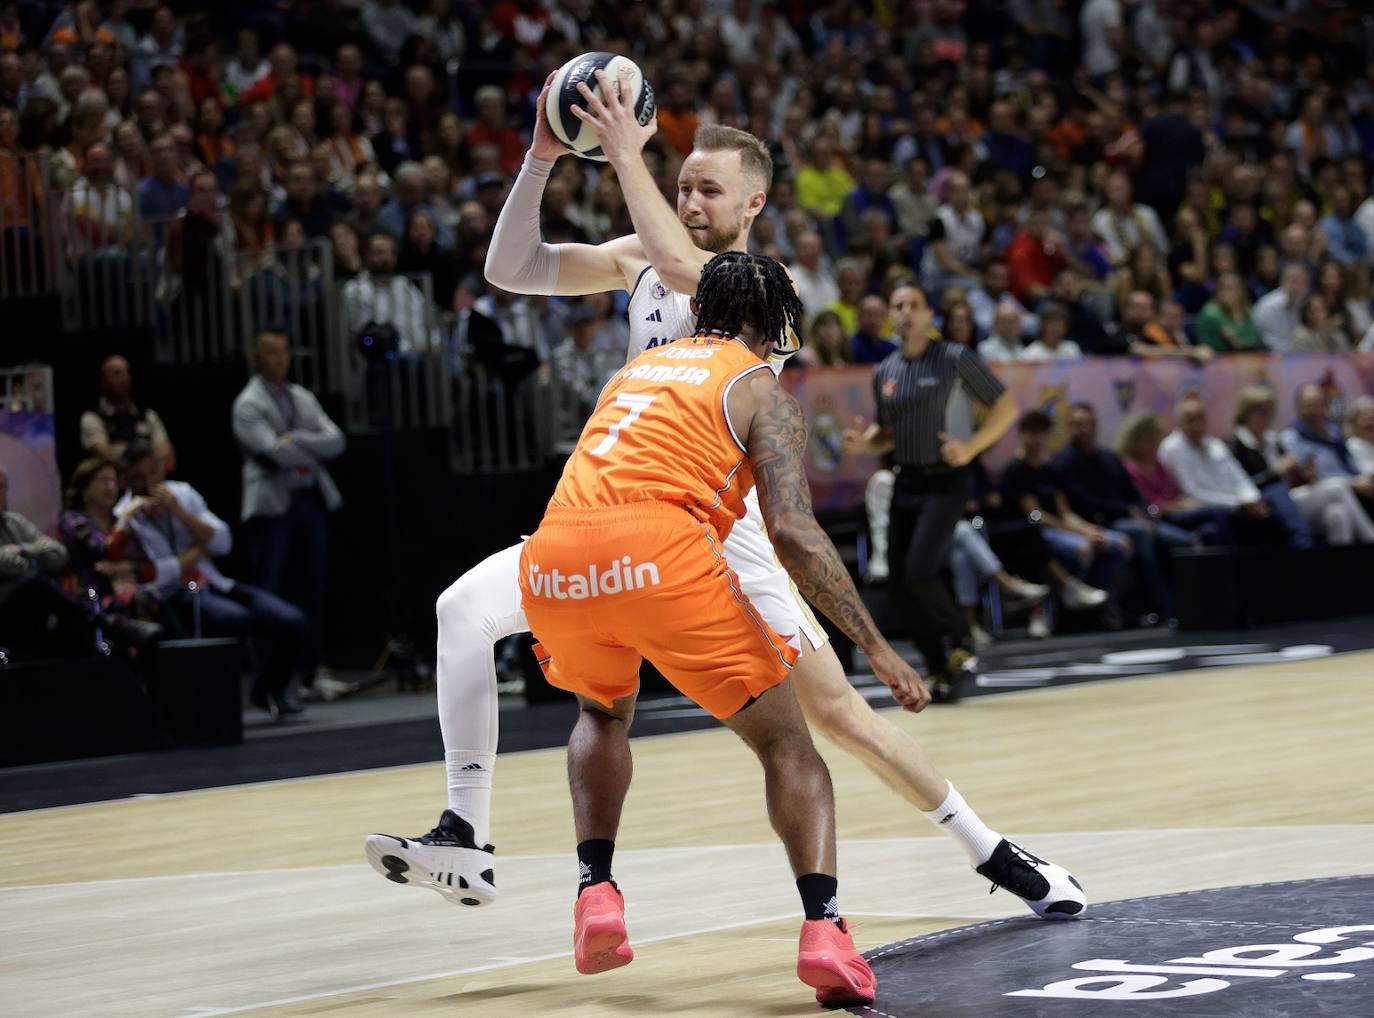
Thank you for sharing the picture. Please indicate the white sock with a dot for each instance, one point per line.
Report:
(469, 790)
(956, 818)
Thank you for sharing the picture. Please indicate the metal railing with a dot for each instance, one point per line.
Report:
(29, 243)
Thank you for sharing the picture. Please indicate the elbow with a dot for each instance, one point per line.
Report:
(680, 274)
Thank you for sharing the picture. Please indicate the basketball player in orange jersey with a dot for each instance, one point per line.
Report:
(722, 187)
(632, 543)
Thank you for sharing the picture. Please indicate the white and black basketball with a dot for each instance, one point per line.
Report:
(564, 95)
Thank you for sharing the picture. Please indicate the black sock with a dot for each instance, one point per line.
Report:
(594, 857)
(819, 895)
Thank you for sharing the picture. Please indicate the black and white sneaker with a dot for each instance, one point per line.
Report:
(1051, 891)
(446, 860)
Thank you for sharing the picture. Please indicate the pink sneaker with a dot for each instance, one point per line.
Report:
(828, 960)
(600, 941)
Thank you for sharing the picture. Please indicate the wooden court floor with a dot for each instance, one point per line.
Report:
(256, 899)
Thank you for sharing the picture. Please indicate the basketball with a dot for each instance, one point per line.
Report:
(564, 95)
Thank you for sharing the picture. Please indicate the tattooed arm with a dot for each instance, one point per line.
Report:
(776, 443)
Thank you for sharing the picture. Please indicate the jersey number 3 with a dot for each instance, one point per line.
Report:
(634, 406)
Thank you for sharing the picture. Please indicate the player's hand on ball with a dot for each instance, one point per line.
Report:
(905, 683)
(545, 145)
(614, 118)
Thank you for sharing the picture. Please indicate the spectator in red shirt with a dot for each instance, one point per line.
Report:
(491, 129)
(283, 61)
(1034, 258)
(198, 65)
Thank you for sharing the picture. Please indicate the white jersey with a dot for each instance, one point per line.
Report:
(657, 314)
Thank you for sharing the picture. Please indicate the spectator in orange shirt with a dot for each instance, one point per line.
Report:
(1034, 257)
(677, 121)
(283, 61)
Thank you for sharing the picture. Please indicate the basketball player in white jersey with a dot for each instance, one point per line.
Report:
(722, 187)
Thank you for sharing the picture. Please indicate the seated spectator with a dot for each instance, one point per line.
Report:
(582, 370)
(381, 297)
(954, 245)
(1100, 490)
(1320, 447)
(995, 290)
(346, 250)
(823, 182)
(36, 616)
(849, 278)
(1124, 225)
(304, 203)
(100, 215)
(162, 194)
(1328, 505)
(826, 344)
(1207, 471)
(1319, 332)
(97, 543)
(491, 128)
(911, 198)
(1143, 271)
(1052, 344)
(1346, 292)
(870, 195)
(117, 422)
(193, 259)
(1359, 430)
(1137, 443)
(1031, 484)
(958, 326)
(1034, 257)
(1085, 325)
(1276, 313)
(178, 535)
(1084, 251)
(815, 284)
(871, 344)
(1003, 345)
(285, 438)
(1187, 263)
(1345, 240)
(420, 254)
(368, 197)
(1225, 324)
(1143, 335)
(408, 197)
(349, 147)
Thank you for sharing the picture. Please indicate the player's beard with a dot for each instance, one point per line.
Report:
(717, 239)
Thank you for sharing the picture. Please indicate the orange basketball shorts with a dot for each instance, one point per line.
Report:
(605, 588)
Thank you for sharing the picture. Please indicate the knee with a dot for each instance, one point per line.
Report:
(847, 722)
(459, 607)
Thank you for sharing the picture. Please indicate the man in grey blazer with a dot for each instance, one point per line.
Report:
(286, 437)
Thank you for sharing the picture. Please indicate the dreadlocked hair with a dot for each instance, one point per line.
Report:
(738, 289)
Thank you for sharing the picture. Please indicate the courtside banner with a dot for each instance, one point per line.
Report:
(838, 398)
(28, 452)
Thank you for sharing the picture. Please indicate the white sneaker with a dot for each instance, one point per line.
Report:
(446, 860)
(1030, 593)
(1037, 628)
(877, 570)
(330, 688)
(1078, 595)
(1051, 891)
(981, 638)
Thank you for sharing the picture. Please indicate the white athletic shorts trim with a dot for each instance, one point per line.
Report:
(747, 550)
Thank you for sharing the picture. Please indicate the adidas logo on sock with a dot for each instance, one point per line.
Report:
(948, 817)
(584, 873)
(473, 767)
(832, 907)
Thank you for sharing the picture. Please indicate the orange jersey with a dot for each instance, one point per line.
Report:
(659, 433)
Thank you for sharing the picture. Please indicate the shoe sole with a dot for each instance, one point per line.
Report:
(384, 853)
(831, 983)
(603, 938)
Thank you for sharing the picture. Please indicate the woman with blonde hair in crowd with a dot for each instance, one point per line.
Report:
(1329, 505)
(1137, 443)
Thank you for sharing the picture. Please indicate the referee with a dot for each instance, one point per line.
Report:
(925, 419)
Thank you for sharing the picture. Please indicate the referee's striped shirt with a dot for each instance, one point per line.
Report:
(920, 397)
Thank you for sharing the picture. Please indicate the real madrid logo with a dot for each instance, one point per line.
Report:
(827, 439)
(659, 291)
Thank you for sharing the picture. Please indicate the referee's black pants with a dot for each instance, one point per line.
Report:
(927, 503)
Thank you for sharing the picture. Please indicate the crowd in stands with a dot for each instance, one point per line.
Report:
(1157, 178)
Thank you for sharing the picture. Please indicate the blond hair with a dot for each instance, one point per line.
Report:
(1251, 398)
(754, 157)
(1134, 430)
(1357, 406)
